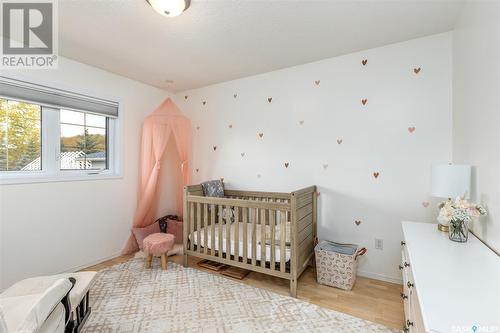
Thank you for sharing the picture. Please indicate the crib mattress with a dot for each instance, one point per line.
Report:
(193, 237)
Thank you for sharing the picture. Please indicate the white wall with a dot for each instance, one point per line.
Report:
(53, 227)
(476, 107)
(375, 138)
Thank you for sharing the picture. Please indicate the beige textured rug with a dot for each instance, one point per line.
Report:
(130, 298)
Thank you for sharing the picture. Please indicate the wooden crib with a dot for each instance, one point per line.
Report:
(257, 224)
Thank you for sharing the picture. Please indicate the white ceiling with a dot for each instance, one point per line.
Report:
(221, 40)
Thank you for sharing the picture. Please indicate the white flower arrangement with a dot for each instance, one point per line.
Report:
(459, 210)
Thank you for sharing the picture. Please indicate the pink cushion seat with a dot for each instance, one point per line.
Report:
(141, 233)
(158, 243)
(175, 228)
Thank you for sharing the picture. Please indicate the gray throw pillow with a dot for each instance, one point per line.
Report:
(213, 188)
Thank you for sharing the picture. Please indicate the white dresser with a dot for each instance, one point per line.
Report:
(448, 286)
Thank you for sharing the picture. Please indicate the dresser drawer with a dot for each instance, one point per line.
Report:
(416, 322)
(405, 295)
(413, 315)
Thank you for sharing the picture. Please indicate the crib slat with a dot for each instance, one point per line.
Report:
(219, 227)
(272, 222)
(228, 233)
(282, 240)
(245, 236)
(236, 239)
(254, 237)
(212, 229)
(198, 226)
(205, 223)
(262, 238)
(191, 226)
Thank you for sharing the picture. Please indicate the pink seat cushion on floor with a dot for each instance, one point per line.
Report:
(175, 228)
(158, 243)
(141, 233)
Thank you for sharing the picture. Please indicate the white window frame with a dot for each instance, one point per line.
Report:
(50, 154)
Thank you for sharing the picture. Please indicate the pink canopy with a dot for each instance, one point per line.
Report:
(156, 130)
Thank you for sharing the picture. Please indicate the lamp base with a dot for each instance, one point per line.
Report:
(443, 228)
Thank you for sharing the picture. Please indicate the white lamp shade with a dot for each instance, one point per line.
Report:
(451, 181)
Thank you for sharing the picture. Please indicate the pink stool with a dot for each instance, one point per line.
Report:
(158, 245)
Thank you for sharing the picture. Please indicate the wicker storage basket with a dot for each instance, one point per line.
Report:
(334, 268)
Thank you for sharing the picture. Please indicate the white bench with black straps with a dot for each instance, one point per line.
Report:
(75, 303)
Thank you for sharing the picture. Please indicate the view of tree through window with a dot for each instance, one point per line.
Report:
(20, 136)
(83, 141)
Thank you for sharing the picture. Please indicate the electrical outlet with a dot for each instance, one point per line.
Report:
(379, 244)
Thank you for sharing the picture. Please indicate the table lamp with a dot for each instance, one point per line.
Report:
(450, 181)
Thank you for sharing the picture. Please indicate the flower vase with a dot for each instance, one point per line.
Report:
(459, 231)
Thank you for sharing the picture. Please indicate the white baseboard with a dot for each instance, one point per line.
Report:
(92, 263)
(380, 277)
(77, 268)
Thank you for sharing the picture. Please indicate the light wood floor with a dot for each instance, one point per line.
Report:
(370, 299)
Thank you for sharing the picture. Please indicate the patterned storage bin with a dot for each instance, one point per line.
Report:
(336, 264)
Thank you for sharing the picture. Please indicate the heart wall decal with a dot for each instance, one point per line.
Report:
(317, 82)
(339, 141)
(215, 148)
(261, 135)
(186, 97)
(411, 129)
(197, 127)
(357, 222)
(325, 166)
(416, 70)
(235, 95)
(197, 170)
(301, 122)
(364, 101)
(269, 99)
(230, 126)
(376, 174)
(287, 164)
(204, 102)
(242, 154)
(364, 62)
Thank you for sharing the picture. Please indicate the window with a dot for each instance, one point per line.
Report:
(41, 141)
(83, 141)
(20, 136)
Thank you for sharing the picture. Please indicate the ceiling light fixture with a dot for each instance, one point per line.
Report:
(170, 8)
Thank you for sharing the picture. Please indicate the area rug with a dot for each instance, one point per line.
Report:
(130, 298)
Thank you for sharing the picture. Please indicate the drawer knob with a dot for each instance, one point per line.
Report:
(403, 296)
(409, 323)
(407, 264)
(409, 284)
(406, 330)
(403, 243)
(400, 267)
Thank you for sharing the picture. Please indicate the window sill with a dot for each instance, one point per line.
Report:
(38, 178)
